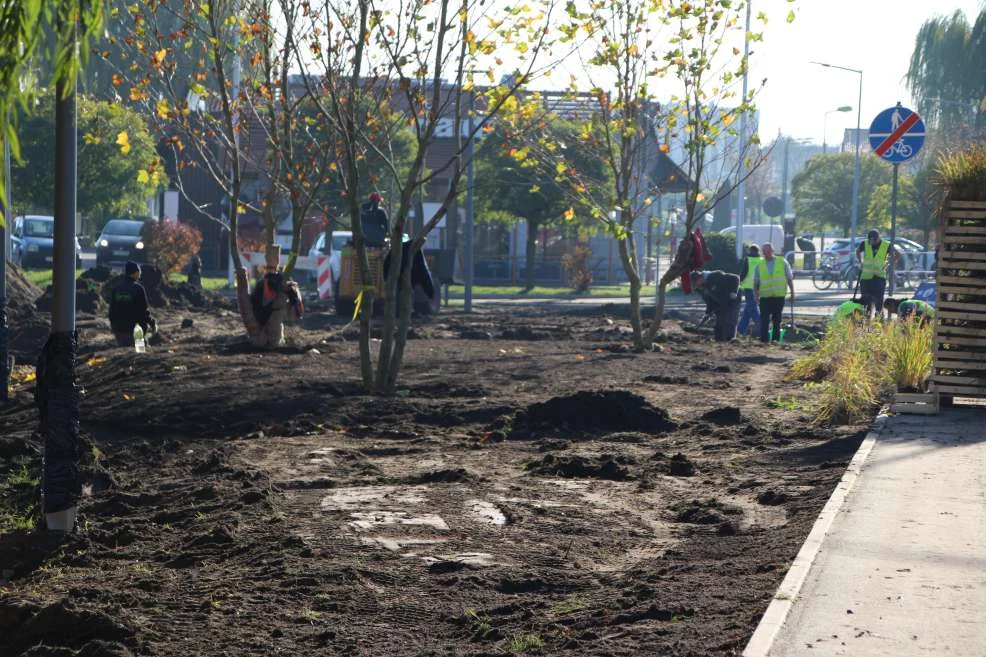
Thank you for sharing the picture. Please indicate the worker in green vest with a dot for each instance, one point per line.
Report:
(872, 255)
(920, 311)
(771, 279)
(750, 310)
(853, 310)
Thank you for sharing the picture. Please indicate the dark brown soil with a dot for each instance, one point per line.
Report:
(526, 488)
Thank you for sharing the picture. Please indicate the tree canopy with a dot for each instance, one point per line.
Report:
(115, 147)
(822, 191)
(945, 75)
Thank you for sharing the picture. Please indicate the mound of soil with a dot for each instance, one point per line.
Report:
(160, 293)
(678, 465)
(98, 274)
(21, 293)
(594, 411)
(87, 298)
(724, 416)
(597, 467)
(702, 512)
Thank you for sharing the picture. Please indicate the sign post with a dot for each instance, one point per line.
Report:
(896, 135)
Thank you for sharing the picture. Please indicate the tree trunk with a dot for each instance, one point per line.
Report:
(405, 304)
(529, 254)
(677, 267)
(627, 251)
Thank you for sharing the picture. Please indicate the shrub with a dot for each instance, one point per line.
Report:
(723, 250)
(578, 266)
(171, 244)
(910, 354)
(857, 366)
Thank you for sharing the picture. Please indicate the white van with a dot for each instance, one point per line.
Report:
(760, 234)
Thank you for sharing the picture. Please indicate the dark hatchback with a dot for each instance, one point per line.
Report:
(121, 240)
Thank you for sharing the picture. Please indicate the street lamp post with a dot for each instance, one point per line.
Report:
(854, 214)
(825, 125)
(741, 166)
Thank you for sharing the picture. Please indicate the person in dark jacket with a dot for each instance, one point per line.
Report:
(376, 223)
(128, 307)
(721, 293)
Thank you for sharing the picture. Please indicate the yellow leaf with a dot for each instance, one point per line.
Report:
(95, 360)
(143, 177)
(123, 141)
(700, 197)
(162, 109)
(127, 397)
(30, 376)
(665, 148)
(569, 214)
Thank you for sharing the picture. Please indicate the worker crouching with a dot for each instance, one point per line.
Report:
(275, 298)
(721, 294)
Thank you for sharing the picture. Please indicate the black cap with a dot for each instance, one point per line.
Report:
(131, 268)
(873, 234)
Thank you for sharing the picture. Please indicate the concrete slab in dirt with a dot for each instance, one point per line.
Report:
(902, 569)
(486, 512)
(399, 544)
(345, 499)
(372, 519)
(471, 559)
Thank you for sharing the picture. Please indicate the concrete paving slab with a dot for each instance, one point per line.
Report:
(901, 569)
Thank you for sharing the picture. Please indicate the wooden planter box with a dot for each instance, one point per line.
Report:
(960, 322)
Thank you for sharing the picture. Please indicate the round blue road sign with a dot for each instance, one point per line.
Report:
(897, 134)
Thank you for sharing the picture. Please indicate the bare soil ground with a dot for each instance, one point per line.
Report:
(534, 487)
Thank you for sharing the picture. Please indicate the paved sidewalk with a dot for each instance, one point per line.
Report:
(896, 565)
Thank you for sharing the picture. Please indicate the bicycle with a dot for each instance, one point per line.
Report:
(823, 278)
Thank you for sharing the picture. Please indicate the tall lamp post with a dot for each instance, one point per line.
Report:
(825, 125)
(854, 214)
(741, 167)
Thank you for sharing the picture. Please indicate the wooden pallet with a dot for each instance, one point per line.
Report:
(960, 323)
(915, 403)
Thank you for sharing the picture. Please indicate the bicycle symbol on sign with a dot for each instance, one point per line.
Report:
(901, 149)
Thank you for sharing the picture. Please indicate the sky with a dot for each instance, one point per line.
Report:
(875, 36)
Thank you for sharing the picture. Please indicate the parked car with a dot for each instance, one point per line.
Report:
(121, 240)
(16, 250)
(37, 236)
(340, 238)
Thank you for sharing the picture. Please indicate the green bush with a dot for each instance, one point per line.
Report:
(856, 367)
(723, 249)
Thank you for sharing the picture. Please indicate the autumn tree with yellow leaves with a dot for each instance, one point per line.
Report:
(371, 67)
(652, 69)
(240, 119)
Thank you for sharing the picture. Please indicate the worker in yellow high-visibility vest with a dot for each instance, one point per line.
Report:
(872, 255)
(751, 313)
(771, 279)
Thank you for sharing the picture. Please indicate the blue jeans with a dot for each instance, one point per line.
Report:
(750, 312)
